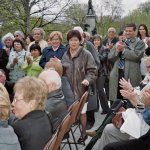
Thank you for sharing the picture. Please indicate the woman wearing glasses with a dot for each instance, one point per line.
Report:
(33, 126)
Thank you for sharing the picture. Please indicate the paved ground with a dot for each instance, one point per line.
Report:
(99, 119)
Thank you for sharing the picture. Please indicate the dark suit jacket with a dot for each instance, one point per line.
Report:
(33, 130)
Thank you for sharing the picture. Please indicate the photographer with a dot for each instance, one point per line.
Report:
(126, 56)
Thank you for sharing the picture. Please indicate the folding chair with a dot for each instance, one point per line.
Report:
(73, 109)
(82, 102)
(51, 142)
(61, 131)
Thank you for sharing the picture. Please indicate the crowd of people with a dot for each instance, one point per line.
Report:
(39, 80)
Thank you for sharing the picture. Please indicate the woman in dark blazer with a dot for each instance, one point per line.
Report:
(33, 127)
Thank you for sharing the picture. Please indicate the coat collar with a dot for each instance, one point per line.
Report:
(132, 40)
(4, 123)
(77, 54)
(34, 114)
(56, 94)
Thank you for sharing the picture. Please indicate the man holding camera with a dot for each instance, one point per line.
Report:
(126, 56)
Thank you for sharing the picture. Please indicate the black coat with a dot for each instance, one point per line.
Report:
(33, 130)
(9, 86)
(4, 61)
(57, 107)
(103, 57)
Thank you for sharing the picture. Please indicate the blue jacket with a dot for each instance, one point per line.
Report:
(1, 45)
(48, 53)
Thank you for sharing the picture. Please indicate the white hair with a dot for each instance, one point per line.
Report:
(8, 35)
(41, 30)
(112, 29)
(78, 28)
(19, 33)
(50, 76)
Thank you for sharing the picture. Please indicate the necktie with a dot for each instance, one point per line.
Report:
(121, 63)
(127, 42)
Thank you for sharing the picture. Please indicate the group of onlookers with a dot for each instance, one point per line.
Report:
(49, 76)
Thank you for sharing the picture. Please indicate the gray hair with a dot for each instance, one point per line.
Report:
(8, 35)
(20, 33)
(112, 29)
(78, 28)
(50, 76)
(41, 30)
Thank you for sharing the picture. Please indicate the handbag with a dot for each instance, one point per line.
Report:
(117, 120)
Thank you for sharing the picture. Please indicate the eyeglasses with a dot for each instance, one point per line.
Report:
(55, 40)
(16, 100)
(141, 29)
(147, 66)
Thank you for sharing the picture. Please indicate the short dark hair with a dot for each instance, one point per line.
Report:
(74, 33)
(120, 33)
(18, 41)
(96, 37)
(131, 25)
(30, 37)
(35, 46)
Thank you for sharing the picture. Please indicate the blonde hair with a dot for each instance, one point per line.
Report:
(59, 34)
(4, 103)
(56, 64)
(33, 89)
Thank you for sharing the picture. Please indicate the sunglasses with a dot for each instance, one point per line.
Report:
(147, 66)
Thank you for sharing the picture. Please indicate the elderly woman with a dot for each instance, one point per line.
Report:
(8, 138)
(16, 59)
(80, 68)
(19, 35)
(31, 64)
(33, 126)
(38, 35)
(7, 40)
(55, 50)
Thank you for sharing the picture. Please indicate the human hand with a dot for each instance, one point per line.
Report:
(15, 61)
(109, 45)
(126, 85)
(85, 82)
(29, 60)
(54, 59)
(120, 46)
(131, 96)
(145, 96)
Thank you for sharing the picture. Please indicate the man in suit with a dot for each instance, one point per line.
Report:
(126, 56)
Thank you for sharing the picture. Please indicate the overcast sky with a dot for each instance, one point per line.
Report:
(128, 5)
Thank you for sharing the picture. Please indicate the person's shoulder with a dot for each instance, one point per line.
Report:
(63, 47)
(86, 52)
